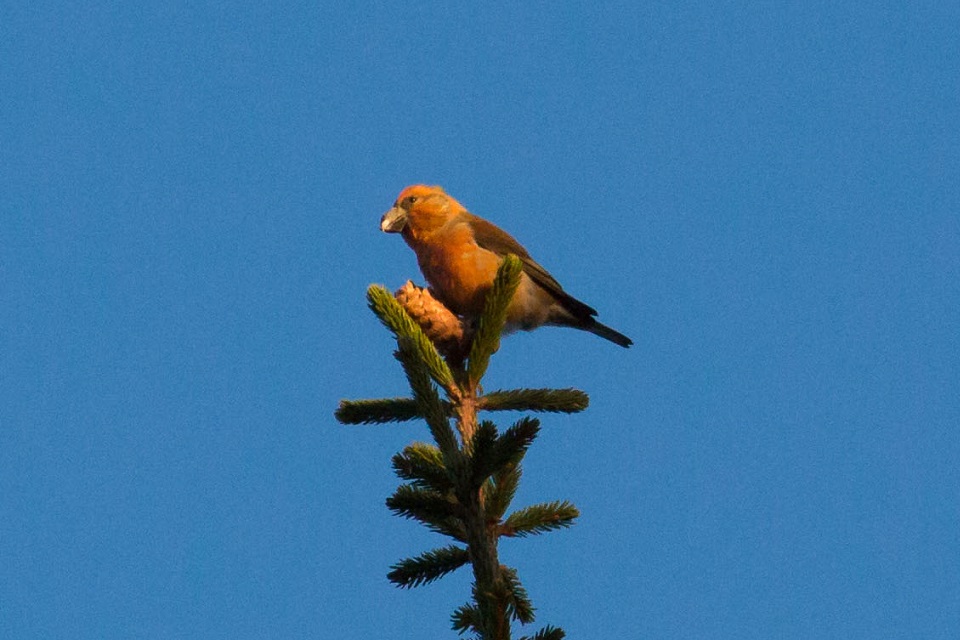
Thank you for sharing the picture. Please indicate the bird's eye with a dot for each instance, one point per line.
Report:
(409, 200)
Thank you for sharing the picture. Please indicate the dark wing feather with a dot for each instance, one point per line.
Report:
(493, 238)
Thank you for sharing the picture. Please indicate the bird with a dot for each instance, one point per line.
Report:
(459, 254)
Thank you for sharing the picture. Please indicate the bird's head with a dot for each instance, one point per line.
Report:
(419, 211)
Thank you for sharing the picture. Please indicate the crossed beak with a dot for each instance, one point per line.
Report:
(393, 221)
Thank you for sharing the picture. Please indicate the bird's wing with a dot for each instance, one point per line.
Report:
(493, 238)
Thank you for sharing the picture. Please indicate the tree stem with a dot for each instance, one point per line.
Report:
(481, 537)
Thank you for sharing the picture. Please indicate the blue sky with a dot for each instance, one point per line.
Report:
(765, 197)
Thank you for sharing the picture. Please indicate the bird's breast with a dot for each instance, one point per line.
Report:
(459, 271)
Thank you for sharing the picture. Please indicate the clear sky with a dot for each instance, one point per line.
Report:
(764, 196)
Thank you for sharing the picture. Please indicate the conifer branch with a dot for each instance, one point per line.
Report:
(483, 452)
(498, 452)
(501, 490)
(429, 405)
(514, 442)
(428, 566)
(519, 606)
(466, 618)
(422, 464)
(394, 317)
(377, 411)
(555, 400)
(490, 325)
(539, 518)
(437, 511)
(547, 633)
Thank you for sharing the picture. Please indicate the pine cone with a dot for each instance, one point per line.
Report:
(440, 324)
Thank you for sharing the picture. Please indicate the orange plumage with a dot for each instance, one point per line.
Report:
(459, 254)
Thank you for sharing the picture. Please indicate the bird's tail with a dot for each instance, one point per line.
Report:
(606, 332)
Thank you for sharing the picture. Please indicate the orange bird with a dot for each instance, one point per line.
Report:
(459, 254)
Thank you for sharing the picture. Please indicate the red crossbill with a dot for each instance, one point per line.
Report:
(459, 254)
